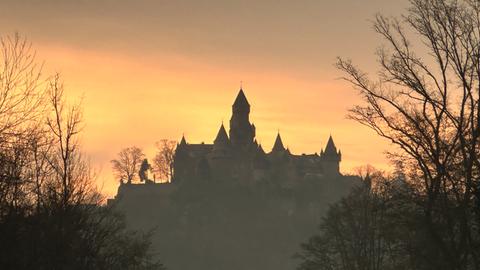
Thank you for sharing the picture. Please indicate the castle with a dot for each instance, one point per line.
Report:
(241, 157)
(231, 205)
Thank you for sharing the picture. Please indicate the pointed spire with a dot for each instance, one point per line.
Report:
(278, 146)
(241, 100)
(221, 136)
(183, 141)
(260, 159)
(331, 149)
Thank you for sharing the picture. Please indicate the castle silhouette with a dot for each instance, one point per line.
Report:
(230, 205)
(240, 156)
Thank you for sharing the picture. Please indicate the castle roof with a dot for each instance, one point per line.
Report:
(241, 100)
(330, 149)
(278, 146)
(222, 136)
(183, 141)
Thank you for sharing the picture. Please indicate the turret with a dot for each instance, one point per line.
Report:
(260, 159)
(182, 145)
(221, 156)
(183, 141)
(260, 164)
(180, 158)
(242, 132)
(331, 158)
(279, 154)
(278, 146)
(221, 144)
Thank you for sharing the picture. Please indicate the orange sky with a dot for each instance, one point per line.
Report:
(156, 69)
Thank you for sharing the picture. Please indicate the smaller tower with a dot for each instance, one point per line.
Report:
(183, 141)
(221, 156)
(278, 146)
(260, 164)
(221, 144)
(279, 154)
(331, 159)
(180, 160)
(260, 159)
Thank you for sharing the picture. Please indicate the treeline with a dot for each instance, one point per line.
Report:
(380, 225)
(51, 214)
(426, 102)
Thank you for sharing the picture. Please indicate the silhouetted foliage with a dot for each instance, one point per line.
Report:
(365, 230)
(428, 105)
(51, 215)
(127, 164)
(163, 161)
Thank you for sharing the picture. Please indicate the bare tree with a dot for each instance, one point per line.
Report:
(72, 176)
(22, 101)
(127, 164)
(366, 170)
(163, 161)
(427, 104)
(50, 211)
(22, 89)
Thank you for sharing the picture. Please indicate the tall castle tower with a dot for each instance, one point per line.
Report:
(242, 132)
(331, 158)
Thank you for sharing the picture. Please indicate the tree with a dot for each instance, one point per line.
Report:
(22, 98)
(364, 231)
(71, 172)
(22, 90)
(51, 214)
(428, 105)
(163, 161)
(127, 164)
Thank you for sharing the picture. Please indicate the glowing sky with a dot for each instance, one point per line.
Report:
(156, 69)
